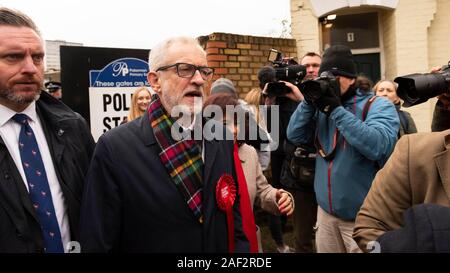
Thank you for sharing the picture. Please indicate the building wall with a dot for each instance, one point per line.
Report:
(412, 21)
(439, 35)
(239, 57)
(305, 27)
(415, 38)
(52, 57)
(389, 47)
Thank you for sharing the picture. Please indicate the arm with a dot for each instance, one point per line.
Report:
(100, 221)
(376, 136)
(295, 95)
(300, 129)
(389, 196)
(264, 159)
(265, 193)
(273, 200)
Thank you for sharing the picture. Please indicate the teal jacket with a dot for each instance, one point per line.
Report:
(362, 148)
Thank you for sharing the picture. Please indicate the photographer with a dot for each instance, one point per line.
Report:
(441, 115)
(287, 104)
(297, 174)
(355, 135)
(418, 88)
(417, 173)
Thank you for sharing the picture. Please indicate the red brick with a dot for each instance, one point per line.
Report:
(212, 50)
(216, 45)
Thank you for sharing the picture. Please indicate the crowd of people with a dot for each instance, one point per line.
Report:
(349, 166)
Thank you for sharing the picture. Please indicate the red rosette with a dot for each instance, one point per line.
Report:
(225, 192)
(225, 196)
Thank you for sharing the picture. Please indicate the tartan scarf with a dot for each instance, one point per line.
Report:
(182, 159)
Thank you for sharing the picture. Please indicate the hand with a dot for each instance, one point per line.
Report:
(436, 69)
(295, 95)
(327, 103)
(284, 202)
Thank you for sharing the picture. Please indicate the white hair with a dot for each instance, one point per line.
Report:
(157, 55)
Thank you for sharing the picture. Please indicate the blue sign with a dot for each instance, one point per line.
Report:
(125, 72)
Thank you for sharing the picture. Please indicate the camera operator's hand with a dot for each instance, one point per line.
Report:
(436, 69)
(295, 95)
(327, 103)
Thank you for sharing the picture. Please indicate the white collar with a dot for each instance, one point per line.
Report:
(6, 113)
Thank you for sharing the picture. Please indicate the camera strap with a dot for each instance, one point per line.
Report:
(320, 148)
(329, 156)
(367, 107)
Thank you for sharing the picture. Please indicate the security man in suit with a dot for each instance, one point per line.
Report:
(45, 148)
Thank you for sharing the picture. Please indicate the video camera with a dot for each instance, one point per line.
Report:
(282, 69)
(418, 88)
(315, 89)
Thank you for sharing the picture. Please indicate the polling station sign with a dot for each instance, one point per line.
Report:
(110, 92)
(98, 82)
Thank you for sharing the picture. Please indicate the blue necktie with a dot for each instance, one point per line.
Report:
(39, 190)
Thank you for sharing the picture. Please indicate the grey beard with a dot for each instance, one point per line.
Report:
(18, 99)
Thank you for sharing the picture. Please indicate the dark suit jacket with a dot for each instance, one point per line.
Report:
(130, 204)
(71, 146)
(426, 230)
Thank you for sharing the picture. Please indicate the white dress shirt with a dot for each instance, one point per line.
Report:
(9, 132)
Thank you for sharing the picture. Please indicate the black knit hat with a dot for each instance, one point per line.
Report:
(338, 59)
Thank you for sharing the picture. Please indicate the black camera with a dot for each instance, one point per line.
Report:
(312, 90)
(282, 69)
(418, 88)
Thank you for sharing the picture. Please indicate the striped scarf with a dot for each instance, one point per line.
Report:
(182, 159)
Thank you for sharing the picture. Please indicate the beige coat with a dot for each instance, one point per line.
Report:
(418, 171)
(259, 189)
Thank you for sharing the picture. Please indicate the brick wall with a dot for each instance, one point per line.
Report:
(239, 57)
